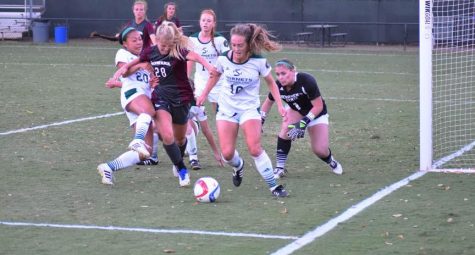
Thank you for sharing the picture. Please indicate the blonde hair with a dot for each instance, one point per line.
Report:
(169, 33)
(212, 13)
(145, 6)
(257, 37)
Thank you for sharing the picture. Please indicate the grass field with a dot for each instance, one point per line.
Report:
(48, 175)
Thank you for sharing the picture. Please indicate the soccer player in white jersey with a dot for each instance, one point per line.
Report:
(306, 110)
(239, 102)
(209, 45)
(135, 100)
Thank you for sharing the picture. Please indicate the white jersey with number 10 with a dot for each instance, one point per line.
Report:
(241, 82)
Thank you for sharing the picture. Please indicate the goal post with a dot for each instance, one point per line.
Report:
(447, 85)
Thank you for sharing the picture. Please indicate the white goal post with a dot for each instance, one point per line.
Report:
(447, 85)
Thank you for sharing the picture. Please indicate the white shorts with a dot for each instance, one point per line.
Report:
(239, 117)
(320, 120)
(128, 93)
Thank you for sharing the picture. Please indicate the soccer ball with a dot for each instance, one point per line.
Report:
(206, 190)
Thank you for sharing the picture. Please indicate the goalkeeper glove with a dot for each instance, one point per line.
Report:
(297, 130)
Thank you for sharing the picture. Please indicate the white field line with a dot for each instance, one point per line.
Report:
(60, 123)
(359, 207)
(55, 64)
(111, 65)
(285, 52)
(147, 230)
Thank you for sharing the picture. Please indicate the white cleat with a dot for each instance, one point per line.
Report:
(106, 173)
(336, 167)
(280, 172)
(140, 147)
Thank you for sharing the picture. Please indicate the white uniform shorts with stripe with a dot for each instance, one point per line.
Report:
(129, 93)
(320, 120)
(238, 117)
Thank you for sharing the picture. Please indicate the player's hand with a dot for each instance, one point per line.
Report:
(200, 100)
(154, 80)
(297, 130)
(111, 83)
(219, 159)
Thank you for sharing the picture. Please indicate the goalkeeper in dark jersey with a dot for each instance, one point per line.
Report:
(306, 110)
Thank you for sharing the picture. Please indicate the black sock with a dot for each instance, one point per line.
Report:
(174, 154)
(328, 159)
(283, 149)
(183, 148)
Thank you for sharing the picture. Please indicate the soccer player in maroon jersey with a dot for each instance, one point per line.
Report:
(173, 95)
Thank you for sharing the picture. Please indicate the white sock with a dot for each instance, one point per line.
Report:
(191, 147)
(127, 159)
(264, 167)
(141, 125)
(235, 161)
(155, 146)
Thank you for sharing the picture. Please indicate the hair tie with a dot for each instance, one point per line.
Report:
(286, 63)
(125, 32)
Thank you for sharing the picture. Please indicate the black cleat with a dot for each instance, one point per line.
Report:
(195, 164)
(238, 174)
(279, 191)
(149, 162)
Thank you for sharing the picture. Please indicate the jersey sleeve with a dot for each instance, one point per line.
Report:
(222, 44)
(264, 68)
(121, 56)
(310, 86)
(219, 64)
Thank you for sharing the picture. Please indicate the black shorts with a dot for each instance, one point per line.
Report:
(179, 113)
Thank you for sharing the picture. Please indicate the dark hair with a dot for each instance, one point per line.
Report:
(124, 33)
(285, 62)
(165, 7)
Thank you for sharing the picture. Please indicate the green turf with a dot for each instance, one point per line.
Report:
(49, 175)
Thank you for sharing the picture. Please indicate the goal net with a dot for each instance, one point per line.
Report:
(447, 85)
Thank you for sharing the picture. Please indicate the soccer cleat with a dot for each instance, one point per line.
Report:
(195, 164)
(183, 177)
(106, 174)
(149, 162)
(280, 172)
(279, 191)
(336, 167)
(238, 173)
(140, 147)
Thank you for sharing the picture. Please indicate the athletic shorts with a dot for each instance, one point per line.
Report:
(128, 94)
(239, 117)
(179, 113)
(320, 120)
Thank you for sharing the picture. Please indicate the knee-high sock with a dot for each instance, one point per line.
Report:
(328, 159)
(283, 149)
(264, 167)
(141, 125)
(191, 146)
(235, 161)
(127, 159)
(183, 148)
(155, 146)
(175, 155)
